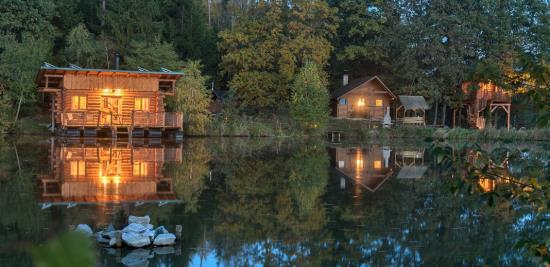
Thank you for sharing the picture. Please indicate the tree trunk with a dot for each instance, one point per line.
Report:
(18, 108)
(436, 112)
(444, 115)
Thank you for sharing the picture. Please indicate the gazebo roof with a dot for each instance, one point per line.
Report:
(413, 102)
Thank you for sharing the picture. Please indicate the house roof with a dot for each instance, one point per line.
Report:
(357, 83)
(48, 68)
(413, 102)
(411, 172)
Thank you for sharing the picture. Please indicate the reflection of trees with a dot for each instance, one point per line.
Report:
(270, 207)
(189, 175)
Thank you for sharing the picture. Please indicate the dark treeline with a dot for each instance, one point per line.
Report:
(256, 48)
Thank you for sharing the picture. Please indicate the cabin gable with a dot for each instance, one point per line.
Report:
(366, 98)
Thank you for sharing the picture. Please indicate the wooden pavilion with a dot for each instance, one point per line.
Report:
(364, 98)
(484, 97)
(413, 110)
(118, 102)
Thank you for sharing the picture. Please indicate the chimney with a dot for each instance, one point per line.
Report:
(345, 78)
(117, 60)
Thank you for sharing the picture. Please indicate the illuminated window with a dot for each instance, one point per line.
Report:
(341, 164)
(141, 103)
(78, 168)
(377, 164)
(140, 168)
(379, 102)
(79, 102)
(361, 102)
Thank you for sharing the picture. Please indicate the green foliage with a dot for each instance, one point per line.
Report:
(154, 55)
(310, 98)
(18, 66)
(193, 99)
(67, 250)
(263, 52)
(82, 49)
(27, 17)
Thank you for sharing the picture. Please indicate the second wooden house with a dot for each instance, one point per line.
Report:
(117, 102)
(365, 98)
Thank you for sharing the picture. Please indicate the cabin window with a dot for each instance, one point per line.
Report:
(140, 168)
(79, 102)
(341, 164)
(343, 101)
(377, 164)
(78, 168)
(379, 102)
(361, 102)
(141, 103)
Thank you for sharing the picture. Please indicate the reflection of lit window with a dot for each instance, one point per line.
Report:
(377, 164)
(78, 168)
(341, 164)
(140, 168)
(141, 103)
(379, 102)
(361, 102)
(78, 102)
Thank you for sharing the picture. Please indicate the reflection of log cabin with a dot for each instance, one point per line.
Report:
(410, 163)
(368, 167)
(364, 98)
(484, 98)
(108, 174)
(118, 101)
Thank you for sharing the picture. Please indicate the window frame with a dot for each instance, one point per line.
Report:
(80, 99)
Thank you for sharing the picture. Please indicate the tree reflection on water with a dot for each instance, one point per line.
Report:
(248, 202)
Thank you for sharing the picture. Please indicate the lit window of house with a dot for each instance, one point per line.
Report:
(361, 102)
(377, 164)
(78, 168)
(140, 168)
(78, 102)
(379, 102)
(141, 103)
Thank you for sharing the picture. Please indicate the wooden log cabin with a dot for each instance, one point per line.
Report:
(364, 98)
(83, 173)
(484, 98)
(116, 102)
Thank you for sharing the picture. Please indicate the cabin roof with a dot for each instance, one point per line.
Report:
(412, 172)
(413, 102)
(357, 83)
(163, 73)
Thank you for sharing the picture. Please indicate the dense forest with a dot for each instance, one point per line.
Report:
(257, 48)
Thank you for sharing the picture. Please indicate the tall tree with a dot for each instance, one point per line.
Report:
(193, 99)
(310, 99)
(154, 55)
(263, 52)
(82, 48)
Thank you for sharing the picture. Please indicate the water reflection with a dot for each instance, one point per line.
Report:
(100, 173)
(262, 203)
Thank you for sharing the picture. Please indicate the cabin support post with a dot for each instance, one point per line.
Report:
(53, 113)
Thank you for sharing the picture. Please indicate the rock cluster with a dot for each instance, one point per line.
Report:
(138, 233)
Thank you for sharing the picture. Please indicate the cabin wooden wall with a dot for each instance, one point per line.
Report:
(366, 166)
(74, 81)
(370, 91)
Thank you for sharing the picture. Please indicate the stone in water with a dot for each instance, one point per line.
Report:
(164, 240)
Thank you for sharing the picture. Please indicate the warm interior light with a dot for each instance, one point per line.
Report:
(379, 102)
(377, 164)
(361, 102)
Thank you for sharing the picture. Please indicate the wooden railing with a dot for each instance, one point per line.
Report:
(140, 119)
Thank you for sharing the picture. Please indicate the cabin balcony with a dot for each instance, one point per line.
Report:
(135, 119)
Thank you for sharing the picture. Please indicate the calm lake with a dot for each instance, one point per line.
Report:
(261, 202)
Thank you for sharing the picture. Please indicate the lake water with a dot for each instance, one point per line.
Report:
(261, 202)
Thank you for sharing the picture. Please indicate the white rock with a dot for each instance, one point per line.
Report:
(161, 230)
(151, 234)
(136, 240)
(84, 228)
(149, 226)
(112, 242)
(164, 240)
(135, 228)
(141, 220)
